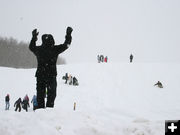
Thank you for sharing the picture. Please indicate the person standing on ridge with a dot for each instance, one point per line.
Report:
(46, 73)
(106, 59)
(131, 58)
(7, 99)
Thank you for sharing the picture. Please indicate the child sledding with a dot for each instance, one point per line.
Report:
(69, 79)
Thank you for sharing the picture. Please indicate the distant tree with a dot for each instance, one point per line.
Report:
(17, 54)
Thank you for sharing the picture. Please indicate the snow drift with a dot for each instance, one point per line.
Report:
(112, 99)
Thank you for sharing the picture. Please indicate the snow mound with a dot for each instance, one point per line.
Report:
(112, 98)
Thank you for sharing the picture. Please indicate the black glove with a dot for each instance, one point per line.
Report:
(68, 35)
(69, 31)
(35, 33)
(68, 39)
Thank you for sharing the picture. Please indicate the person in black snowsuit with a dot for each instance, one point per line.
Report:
(46, 73)
(17, 104)
(75, 81)
(131, 58)
(66, 78)
(159, 84)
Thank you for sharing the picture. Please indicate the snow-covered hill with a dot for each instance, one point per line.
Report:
(112, 99)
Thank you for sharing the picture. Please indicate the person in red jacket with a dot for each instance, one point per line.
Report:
(106, 59)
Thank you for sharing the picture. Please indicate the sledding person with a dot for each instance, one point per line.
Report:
(65, 78)
(131, 58)
(75, 81)
(159, 84)
(7, 99)
(34, 101)
(70, 80)
(17, 104)
(46, 73)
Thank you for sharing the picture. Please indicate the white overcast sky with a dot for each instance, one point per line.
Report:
(150, 29)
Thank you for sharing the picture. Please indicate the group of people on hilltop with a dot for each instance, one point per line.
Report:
(101, 58)
(71, 80)
(21, 103)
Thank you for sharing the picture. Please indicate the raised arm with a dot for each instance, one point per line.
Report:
(32, 45)
(61, 48)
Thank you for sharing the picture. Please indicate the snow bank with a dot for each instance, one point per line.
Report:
(113, 98)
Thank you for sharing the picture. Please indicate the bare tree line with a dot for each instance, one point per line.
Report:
(17, 54)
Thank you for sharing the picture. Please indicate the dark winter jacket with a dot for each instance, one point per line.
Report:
(7, 99)
(159, 84)
(47, 54)
(66, 76)
(25, 104)
(131, 56)
(18, 102)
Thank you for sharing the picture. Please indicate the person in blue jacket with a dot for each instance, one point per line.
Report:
(34, 101)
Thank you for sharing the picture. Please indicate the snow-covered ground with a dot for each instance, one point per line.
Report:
(112, 99)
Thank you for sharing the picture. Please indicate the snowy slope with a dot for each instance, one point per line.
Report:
(112, 99)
